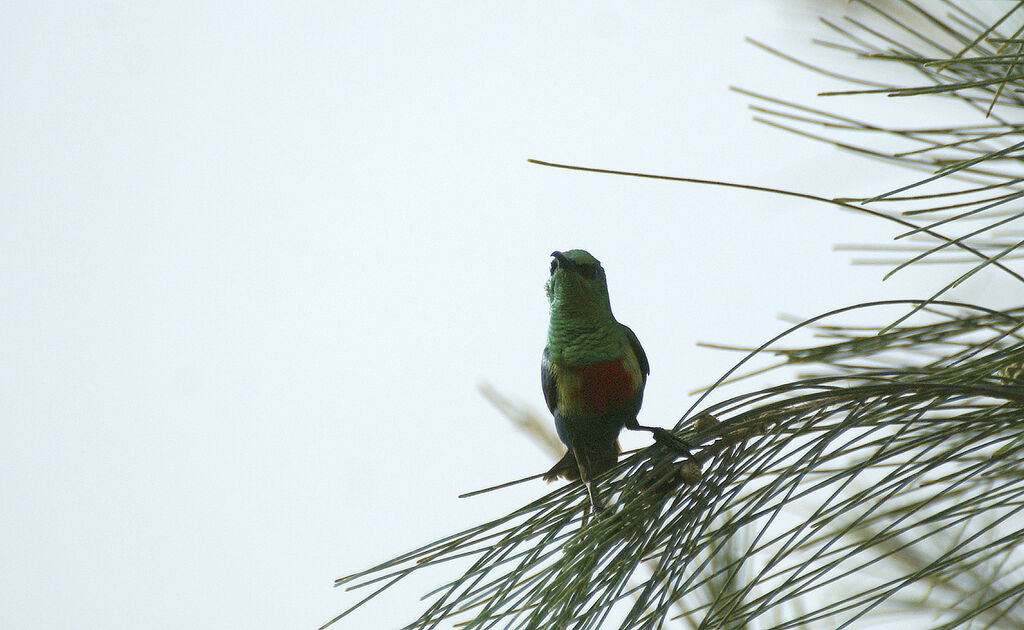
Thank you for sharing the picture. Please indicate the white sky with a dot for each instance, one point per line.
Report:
(255, 258)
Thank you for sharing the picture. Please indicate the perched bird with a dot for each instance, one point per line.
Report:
(593, 372)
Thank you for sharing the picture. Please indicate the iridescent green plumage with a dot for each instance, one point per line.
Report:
(582, 328)
(593, 371)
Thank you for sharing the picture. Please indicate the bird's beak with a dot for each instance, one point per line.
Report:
(562, 260)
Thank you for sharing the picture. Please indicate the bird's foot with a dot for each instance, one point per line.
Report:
(672, 442)
(598, 511)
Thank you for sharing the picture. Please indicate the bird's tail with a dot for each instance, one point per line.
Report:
(593, 458)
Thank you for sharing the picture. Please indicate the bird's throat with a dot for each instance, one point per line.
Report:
(575, 339)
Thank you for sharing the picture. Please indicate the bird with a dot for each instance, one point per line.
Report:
(593, 372)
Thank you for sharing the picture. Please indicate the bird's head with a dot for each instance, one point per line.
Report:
(577, 283)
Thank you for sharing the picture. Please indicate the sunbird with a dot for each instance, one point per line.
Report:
(593, 372)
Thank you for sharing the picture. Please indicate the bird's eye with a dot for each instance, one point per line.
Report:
(588, 271)
(554, 265)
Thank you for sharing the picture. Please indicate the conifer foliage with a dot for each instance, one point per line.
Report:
(884, 478)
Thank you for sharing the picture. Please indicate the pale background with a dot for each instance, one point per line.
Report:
(256, 257)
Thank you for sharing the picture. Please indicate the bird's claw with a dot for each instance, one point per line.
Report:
(672, 442)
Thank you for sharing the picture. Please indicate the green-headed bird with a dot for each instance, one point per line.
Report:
(593, 372)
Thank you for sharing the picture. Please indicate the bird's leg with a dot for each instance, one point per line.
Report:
(583, 463)
(664, 437)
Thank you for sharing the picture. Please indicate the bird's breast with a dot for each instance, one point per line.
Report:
(599, 387)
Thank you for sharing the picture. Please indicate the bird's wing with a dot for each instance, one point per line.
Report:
(547, 382)
(638, 350)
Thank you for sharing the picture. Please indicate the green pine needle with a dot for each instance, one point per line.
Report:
(885, 481)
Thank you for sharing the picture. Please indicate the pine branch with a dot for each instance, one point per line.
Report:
(885, 480)
(883, 463)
